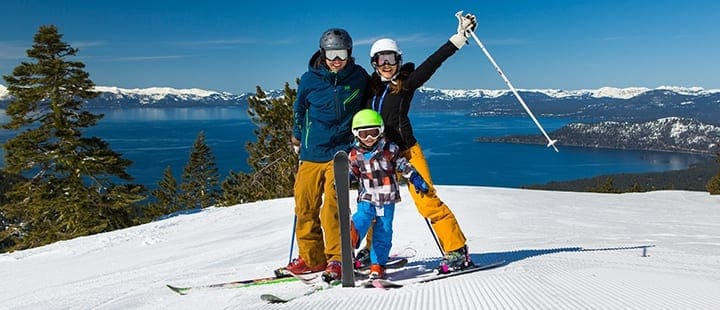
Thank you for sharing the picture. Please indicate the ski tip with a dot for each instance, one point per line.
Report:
(179, 290)
(385, 284)
(270, 298)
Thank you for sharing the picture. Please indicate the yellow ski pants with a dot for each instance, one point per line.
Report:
(430, 206)
(317, 228)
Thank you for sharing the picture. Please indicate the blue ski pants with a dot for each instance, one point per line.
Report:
(382, 230)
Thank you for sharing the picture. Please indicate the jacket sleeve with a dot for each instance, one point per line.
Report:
(426, 69)
(300, 107)
(401, 162)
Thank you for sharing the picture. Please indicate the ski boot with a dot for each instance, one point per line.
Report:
(362, 259)
(455, 260)
(377, 272)
(333, 272)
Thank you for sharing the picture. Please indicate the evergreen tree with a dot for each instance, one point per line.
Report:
(69, 190)
(200, 179)
(713, 186)
(607, 187)
(636, 188)
(271, 158)
(167, 197)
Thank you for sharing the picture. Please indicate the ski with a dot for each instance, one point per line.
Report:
(233, 284)
(384, 284)
(464, 271)
(394, 263)
(320, 286)
(309, 278)
(313, 280)
(387, 284)
(342, 188)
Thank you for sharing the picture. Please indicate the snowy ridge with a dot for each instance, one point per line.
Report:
(672, 134)
(564, 251)
(158, 93)
(603, 92)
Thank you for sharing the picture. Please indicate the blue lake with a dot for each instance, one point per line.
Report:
(155, 138)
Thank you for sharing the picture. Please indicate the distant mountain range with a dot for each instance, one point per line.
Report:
(625, 104)
(666, 118)
(156, 97)
(637, 104)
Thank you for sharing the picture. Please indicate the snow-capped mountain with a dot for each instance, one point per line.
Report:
(672, 134)
(155, 97)
(603, 92)
(607, 103)
(164, 97)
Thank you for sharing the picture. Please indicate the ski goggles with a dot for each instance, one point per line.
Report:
(336, 54)
(385, 59)
(367, 133)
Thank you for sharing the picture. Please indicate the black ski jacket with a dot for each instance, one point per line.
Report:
(394, 108)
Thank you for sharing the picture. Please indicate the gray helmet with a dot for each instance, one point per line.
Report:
(336, 39)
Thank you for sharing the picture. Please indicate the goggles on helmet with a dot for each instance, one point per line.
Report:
(367, 133)
(385, 58)
(336, 54)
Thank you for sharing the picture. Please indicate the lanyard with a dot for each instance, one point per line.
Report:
(382, 98)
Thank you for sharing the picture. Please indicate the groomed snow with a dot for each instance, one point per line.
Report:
(563, 251)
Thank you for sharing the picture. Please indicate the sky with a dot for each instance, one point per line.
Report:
(234, 46)
(562, 250)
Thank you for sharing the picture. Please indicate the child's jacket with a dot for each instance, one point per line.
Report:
(376, 171)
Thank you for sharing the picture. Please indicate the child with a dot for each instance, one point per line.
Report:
(373, 163)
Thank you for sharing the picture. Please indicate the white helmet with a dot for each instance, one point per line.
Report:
(384, 45)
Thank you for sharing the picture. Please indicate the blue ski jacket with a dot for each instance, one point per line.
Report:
(325, 105)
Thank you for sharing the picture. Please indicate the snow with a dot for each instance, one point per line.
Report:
(603, 92)
(563, 251)
(159, 93)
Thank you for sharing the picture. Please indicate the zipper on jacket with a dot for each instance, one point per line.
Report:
(338, 106)
(307, 128)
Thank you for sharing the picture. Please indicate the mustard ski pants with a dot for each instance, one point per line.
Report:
(317, 229)
(430, 206)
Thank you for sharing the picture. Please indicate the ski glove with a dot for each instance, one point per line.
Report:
(466, 24)
(419, 183)
(295, 145)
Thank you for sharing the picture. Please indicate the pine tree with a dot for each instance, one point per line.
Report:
(167, 197)
(607, 187)
(271, 158)
(636, 188)
(200, 178)
(70, 189)
(713, 186)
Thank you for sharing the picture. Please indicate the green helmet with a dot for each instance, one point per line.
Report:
(367, 118)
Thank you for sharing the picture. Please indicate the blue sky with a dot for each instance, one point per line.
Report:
(234, 46)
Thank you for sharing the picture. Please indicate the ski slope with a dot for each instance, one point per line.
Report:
(563, 251)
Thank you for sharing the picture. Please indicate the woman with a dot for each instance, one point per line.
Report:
(328, 96)
(390, 91)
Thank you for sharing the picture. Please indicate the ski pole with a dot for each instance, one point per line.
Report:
(292, 239)
(432, 232)
(522, 102)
